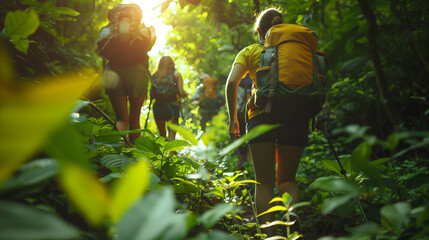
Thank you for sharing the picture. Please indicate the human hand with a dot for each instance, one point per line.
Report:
(234, 129)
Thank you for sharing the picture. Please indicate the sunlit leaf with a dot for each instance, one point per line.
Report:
(298, 205)
(47, 105)
(64, 10)
(20, 24)
(287, 198)
(176, 145)
(274, 209)
(186, 134)
(87, 194)
(148, 145)
(276, 223)
(21, 222)
(255, 132)
(128, 189)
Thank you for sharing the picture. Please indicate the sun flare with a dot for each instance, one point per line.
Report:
(151, 17)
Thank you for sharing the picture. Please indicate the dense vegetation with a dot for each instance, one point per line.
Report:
(65, 174)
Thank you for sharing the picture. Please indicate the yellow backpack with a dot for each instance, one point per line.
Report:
(291, 72)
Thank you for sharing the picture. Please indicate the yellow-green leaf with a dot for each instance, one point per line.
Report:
(186, 134)
(20, 24)
(86, 193)
(274, 209)
(128, 189)
(29, 116)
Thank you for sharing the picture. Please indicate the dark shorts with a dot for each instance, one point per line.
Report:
(165, 111)
(126, 81)
(292, 131)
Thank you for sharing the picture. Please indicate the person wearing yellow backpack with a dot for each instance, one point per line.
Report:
(276, 99)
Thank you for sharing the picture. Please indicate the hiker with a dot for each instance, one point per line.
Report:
(209, 99)
(243, 94)
(283, 145)
(166, 89)
(124, 44)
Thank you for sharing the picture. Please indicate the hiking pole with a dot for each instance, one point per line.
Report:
(342, 170)
(148, 111)
(248, 191)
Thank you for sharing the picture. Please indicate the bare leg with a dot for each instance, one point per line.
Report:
(136, 104)
(263, 158)
(161, 127)
(171, 132)
(119, 105)
(288, 161)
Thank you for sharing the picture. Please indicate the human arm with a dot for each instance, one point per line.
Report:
(235, 75)
(179, 81)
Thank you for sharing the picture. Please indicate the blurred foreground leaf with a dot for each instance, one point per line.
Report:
(18, 221)
(87, 194)
(128, 189)
(29, 116)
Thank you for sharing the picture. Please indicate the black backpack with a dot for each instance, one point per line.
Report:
(164, 90)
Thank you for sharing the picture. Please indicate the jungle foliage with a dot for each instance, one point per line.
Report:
(66, 174)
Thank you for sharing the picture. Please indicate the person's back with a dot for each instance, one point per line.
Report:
(124, 44)
(276, 152)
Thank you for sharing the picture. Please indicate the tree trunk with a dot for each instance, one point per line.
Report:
(378, 68)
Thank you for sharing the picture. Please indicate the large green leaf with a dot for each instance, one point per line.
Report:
(116, 162)
(176, 145)
(32, 173)
(128, 189)
(212, 216)
(361, 162)
(29, 116)
(18, 221)
(186, 134)
(396, 216)
(147, 145)
(331, 204)
(153, 217)
(334, 184)
(86, 193)
(20, 24)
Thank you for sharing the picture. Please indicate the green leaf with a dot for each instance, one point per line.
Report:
(350, 44)
(361, 162)
(298, 205)
(274, 209)
(20, 24)
(21, 44)
(85, 192)
(212, 216)
(32, 173)
(64, 10)
(176, 145)
(287, 198)
(333, 203)
(49, 106)
(395, 216)
(153, 217)
(18, 221)
(148, 145)
(186, 134)
(116, 162)
(255, 132)
(128, 189)
(334, 184)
